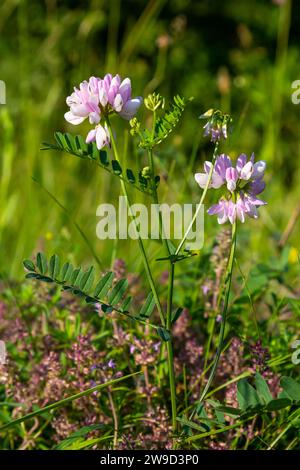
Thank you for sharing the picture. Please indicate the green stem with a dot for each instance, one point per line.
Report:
(155, 199)
(212, 325)
(280, 436)
(170, 350)
(170, 356)
(201, 200)
(228, 277)
(115, 418)
(140, 242)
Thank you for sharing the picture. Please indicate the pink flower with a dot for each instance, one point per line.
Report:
(245, 181)
(248, 169)
(96, 99)
(218, 175)
(221, 210)
(116, 94)
(231, 176)
(246, 205)
(83, 103)
(216, 132)
(100, 134)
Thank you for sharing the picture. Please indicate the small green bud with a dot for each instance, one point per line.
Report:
(135, 126)
(154, 101)
(217, 124)
(146, 172)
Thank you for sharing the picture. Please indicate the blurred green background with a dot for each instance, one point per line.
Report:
(240, 56)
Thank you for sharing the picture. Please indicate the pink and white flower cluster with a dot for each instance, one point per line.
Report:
(244, 182)
(96, 99)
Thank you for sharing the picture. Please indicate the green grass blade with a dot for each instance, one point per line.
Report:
(65, 401)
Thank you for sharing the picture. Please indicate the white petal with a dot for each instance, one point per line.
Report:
(91, 136)
(102, 95)
(247, 171)
(231, 185)
(130, 108)
(216, 181)
(81, 110)
(125, 83)
(94, 118)
(101, 137)
(70, 117)
(207, 166)
(125, 89)
(73, 99)
(232, 213)
(201, 179)
(222, 217)
(118, 103)
(241, 215)
(259, 169)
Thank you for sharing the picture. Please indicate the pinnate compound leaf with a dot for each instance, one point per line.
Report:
(76, 146)
(81, 283)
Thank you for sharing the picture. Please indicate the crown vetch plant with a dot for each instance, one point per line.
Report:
(240, 183)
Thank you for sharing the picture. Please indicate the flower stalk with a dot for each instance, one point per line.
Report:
(227, 287)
